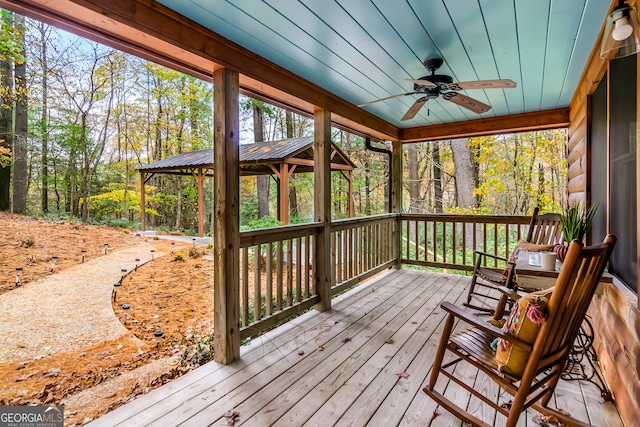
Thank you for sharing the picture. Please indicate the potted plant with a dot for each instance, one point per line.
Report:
(576, 223)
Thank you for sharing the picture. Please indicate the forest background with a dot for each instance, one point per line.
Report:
(77, 118)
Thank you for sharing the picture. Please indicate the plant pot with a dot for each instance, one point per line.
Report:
(561, 251)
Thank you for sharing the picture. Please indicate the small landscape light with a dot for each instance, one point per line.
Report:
(106, 248)
(173, 244)
(84, 251)
(158, 333)
(152, 256)
(53, 263)
(18, 274)
(137, 262)
(125, 307)
(194, 242)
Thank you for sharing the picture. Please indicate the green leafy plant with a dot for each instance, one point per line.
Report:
(179, 256)
(576, 221)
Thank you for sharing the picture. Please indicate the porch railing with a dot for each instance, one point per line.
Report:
(276, 265)
(276, 279)
(448, 241)
(360, 248)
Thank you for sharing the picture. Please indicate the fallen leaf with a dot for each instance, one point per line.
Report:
(320, 348)
(435, 414)
(346, 340)
(300, 353)
(539, 420)
(402, 375)
(389, 341)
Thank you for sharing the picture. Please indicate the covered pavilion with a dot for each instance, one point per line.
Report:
(279, 158)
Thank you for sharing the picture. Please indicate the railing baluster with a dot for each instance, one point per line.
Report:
(454, 248)
(257, 288)
(334, 259)
(245, 287)
(269, 284)
(443, 244)
(307, 265)
(495, 244)
(299, 270)
(289, 272)
(279, 278)
(464, 243)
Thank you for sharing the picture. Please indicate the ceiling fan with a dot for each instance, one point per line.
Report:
(435, 85)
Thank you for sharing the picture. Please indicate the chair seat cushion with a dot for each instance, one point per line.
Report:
(526, 317)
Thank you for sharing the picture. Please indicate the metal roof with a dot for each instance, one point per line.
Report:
(254, 158)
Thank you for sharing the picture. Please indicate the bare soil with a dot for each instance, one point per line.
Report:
(175, 297)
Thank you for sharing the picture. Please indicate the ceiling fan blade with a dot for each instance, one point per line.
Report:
(413, 110)
(422, 82)
(388, 97)
(466, 102)
(483, 84)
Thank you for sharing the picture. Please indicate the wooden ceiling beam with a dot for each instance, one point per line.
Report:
(548, 119)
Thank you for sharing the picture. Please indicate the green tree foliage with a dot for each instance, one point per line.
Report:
(515, 173)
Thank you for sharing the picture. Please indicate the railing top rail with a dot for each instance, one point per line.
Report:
(266, 235)
(348, 222)
(500, 219)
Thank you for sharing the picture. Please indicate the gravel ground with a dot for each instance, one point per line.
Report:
(76, 304)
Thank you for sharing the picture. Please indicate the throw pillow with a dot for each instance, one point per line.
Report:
(524, 321)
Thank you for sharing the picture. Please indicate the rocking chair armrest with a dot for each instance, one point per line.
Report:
(480, 253)
(509, 292)
(482, 324)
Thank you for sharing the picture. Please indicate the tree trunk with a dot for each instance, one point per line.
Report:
(437, 180)
(6, 126)
(415, 204)
(293, 189)
(464, 173)
(44, 122)
(20, 172)
(262, 181)
(84, 184)
(367, 187)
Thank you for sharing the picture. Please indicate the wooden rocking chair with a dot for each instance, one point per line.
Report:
(543, 367)
(543, 230)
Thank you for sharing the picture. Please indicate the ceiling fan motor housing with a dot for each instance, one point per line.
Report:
(440, 80)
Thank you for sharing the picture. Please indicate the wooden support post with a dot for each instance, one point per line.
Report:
(322, 206)
(199, 177)
(142, 202)
(396, 198)
(226, 277)
(283, 194)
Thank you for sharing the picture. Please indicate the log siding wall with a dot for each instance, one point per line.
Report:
(615, 313)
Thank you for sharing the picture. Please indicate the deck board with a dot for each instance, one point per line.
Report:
(339, 368)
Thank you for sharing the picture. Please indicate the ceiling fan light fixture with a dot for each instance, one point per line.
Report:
(622, 33)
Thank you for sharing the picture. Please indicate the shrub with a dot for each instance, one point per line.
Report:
(195, 252)
(28, 242)
(179, 256)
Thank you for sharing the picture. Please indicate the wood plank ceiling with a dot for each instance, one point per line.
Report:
(363, 50)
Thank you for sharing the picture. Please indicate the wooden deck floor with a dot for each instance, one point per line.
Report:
(339, 368)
